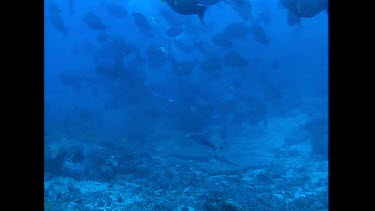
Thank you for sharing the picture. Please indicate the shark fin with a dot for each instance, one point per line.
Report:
(200, 13)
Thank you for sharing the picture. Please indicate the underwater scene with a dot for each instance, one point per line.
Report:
(184, 105)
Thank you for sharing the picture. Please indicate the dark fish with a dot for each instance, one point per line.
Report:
(156, 57)
(265, 16)
(118, 48)
(58, 23)
(221, 39)
(111, 71)
(201, 158)
(183, 68)
(197, 158)
(93, 21)
(211, 64)
(242, 7)
(71, 6)
(103, 36)
(188, 7)
(234, 59)
(259, 34)
(224, 161)
(142, 24)
(56, 19)
(209, 2)
(116, 10)
(184, 45)
(53, 8)
(237, 30)
(73, 79)
(174, 31)
(305, 8)
(202, 139)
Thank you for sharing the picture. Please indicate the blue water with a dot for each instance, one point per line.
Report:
(149, 109)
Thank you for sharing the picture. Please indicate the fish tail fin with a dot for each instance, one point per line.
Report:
(200, 13)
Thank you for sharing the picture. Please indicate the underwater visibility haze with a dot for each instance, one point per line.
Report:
(186, 105)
